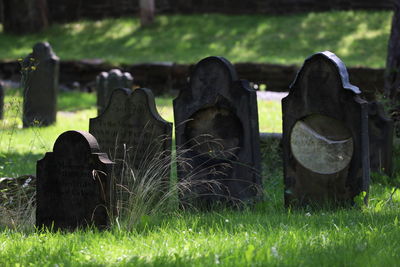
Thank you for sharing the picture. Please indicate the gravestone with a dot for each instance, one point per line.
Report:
(133, 134)
(216, 129)
(1, 101)
(40, 71)
(106, 82)
(381, 132)
(73, 184)
(325, 135)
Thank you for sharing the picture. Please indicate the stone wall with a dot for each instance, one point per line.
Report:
(167, 76)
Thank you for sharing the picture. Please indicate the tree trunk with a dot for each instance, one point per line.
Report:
(392, 73)
(25, 16)
(147, 10)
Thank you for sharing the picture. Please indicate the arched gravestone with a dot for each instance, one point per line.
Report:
(73, 183)
(106, 82)
(380, 139)
(132, 133)
(41, 69)
(325, 135)
(216, 129)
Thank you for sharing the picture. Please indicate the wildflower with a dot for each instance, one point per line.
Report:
(33, 68)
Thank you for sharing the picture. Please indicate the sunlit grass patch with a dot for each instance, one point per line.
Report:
(359, 38)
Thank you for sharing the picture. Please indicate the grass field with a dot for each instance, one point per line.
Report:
(243, 238)
(358, 37)
(266, 235)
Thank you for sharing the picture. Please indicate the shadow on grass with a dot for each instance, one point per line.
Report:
(361, 38)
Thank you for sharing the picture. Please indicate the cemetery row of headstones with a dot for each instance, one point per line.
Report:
(331, 137)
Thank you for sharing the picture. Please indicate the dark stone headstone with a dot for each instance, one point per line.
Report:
(325, 135)
(132, 133)
(40, 71)
(381, 132)
(1, 101)
(73, 184)
(216, 122)
(106, 82)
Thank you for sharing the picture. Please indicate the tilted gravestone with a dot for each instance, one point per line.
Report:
(106, 82)
(1, 101)
(133, 134)
(325, 135)
(73, 184)
(217, 132)
(40, 71)
(381, 132)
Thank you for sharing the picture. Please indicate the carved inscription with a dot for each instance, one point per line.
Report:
(129, 130)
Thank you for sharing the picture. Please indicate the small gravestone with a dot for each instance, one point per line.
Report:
(381, 132)
(73, 184)
(1, 101)
(40, 71)
(217, 132)
(133, 134)
(106, 82)
(325, 135)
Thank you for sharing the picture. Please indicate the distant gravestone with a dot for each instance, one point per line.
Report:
(106, 82)
(325, 135)
(1, 101)
(40, 75)
(132, 133)
(217, 132)
(73, 184)
(381, 132)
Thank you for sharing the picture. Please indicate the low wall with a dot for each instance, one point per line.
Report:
(166, 76)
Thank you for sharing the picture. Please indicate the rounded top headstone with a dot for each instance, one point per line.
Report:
(212, 74)
(70, 140)
(42, 51)
(102, 76)
(114, 73)
(334, 61)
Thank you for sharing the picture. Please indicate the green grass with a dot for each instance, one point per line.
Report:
(267, 235)
(358, 37)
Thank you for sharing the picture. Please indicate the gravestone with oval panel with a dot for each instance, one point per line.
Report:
(217, 132)
(73, 184)
(325, 135)
(40, 80)
(133, 134)
(106, 82)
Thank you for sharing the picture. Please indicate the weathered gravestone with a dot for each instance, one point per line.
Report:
(106, 82)
(325, 135)
(134, 135)
(40, 71)
(216, 128)
(73, 183)
(381, 132)
(1, 101)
